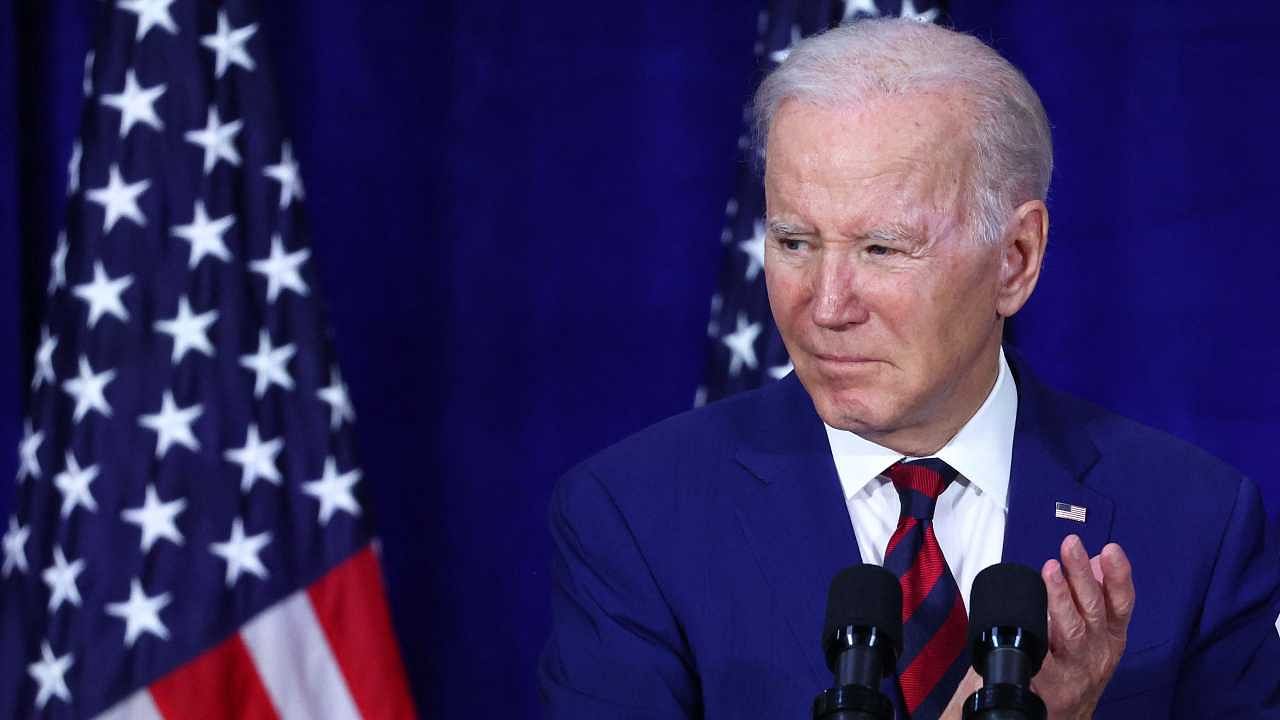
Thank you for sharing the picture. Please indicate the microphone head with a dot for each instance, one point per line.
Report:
(1008, 595)
(863, 596)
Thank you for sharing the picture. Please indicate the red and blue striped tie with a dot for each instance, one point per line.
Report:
(934, 649)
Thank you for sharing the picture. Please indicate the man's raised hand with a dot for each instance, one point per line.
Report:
(1090, 603)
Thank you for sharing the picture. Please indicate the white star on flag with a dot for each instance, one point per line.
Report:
(103, 294)
(340, 403)
(205, 235)
(141, 614)
(173, 425)
(909, 12)
(136, 104)
(287, 174)
(58, 264)
(50, 673)
(269, 365)
(44, 360)
(754, 249)
(742, 344)
(228, 45)
(15, 550)
(188, 330)
(217, 139)
(73, 482)
(853, 7)
(156, 519)
(61, 579)
(89, 390)
(778, 372)
(73, 168)
(334, 491)
(241, 553)
(257, 459)
(28, 449)
(281, 269)
(780, 55)
(151, 13)
(119, 199)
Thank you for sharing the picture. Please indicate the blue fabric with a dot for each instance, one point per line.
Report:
(693, 559)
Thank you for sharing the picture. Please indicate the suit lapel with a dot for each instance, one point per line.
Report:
(1051, 455)
(794, 516)
(797, 525)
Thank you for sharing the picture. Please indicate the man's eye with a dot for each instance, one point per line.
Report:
(879, 250)
(792, 244)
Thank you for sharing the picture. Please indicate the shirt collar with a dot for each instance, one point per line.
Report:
(982, 451)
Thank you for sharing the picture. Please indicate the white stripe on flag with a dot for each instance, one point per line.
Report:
(295, 662)
(138, 706)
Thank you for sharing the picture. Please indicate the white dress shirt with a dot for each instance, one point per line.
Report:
(970, 515)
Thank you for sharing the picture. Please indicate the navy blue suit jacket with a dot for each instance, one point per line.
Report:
(692, 561)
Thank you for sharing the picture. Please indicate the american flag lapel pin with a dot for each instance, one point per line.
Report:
(1067, 511)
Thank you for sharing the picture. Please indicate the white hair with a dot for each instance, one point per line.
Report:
(851, 64)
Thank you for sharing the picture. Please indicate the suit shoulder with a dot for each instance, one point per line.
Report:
(707, 431)
(686, 449)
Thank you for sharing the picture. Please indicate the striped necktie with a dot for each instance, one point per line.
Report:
(935, 655)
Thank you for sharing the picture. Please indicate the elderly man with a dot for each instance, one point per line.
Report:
(906, 168)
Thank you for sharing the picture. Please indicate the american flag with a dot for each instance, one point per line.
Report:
(191, 529)
(745, 349)
(1067, 511)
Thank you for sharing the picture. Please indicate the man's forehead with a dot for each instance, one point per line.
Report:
(904, 155)
(909, 128)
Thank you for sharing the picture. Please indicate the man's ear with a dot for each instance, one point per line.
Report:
(1021, 254)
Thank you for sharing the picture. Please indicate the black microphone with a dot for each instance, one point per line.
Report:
(1009, 636)
(862, 639)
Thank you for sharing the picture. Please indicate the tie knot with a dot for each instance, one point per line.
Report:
(919, 483)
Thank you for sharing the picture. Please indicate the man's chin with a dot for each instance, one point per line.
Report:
(851, 413)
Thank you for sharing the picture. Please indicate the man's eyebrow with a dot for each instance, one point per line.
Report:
(892, 233)
(778, 228)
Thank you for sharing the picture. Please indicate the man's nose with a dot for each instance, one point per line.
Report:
(837, 296)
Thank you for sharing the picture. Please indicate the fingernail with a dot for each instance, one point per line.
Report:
(1077, 545)
(1055, 571)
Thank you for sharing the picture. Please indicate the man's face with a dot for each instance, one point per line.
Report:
(886, 304)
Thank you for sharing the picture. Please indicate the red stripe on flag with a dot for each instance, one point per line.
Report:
(221, 683)
(352, 609)
(935, 658)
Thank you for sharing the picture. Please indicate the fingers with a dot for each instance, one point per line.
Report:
(1118, 585)
(1067, 629)
(1086, 589)
(1088, 595)
(1090, 603)
(1095, 564)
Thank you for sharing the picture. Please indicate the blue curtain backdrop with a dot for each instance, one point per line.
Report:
(516, 210)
